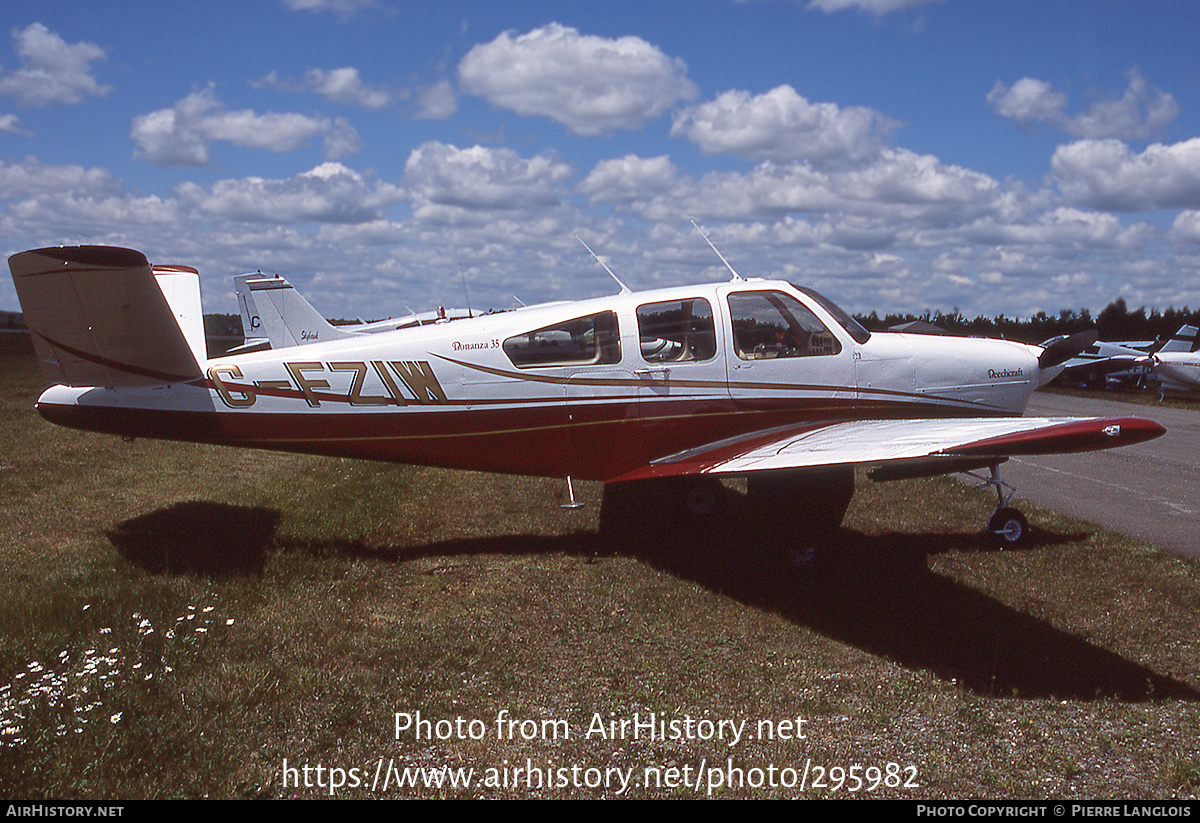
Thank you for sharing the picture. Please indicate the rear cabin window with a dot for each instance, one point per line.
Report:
(771, 324)
(585, 340)
(677, 331)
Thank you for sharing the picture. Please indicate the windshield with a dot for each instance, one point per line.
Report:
(852, 326)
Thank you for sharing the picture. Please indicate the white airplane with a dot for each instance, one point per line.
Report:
(1177, 363)
(1103, 363)
(675, 387)
(274, 315)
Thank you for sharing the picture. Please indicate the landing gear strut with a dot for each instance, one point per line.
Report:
(1006, 525)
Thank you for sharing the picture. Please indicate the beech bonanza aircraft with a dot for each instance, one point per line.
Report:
(680, 386)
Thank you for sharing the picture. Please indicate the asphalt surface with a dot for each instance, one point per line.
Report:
(1150, 491)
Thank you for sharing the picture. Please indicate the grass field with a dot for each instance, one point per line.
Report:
(179, 621)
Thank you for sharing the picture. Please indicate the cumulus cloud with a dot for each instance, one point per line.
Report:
(1056, 231)
(1186, 228)
(330, 193)
(904, 177)
(181, 135)
(1141, 111)
(31, 178)
(1107, 174)
(342, 85)
(437, 102)
(820, 160)
(345, 86)
(10, 124)
(47, 204)
(592, 85)
(344, 9)
(1027, 100)
(52, 70)
(438, 174)
(905, 187)
(628, 178)
(876, 7)
(781, 125)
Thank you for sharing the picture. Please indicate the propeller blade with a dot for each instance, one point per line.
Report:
(1062, 350)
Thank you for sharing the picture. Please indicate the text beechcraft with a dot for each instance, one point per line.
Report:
(675, 388)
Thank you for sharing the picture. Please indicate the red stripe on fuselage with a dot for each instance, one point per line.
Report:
(601, 440)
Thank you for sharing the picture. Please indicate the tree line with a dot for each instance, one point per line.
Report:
(1114, 322)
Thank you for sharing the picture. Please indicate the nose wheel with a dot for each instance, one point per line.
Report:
(1006, 525)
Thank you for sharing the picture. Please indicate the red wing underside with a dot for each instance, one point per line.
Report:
(895, 443)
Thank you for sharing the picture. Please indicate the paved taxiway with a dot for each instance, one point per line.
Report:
(1150, 491)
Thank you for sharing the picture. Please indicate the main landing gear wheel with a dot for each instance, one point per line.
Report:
(1008, 526)
(702, 498)
(800, 559)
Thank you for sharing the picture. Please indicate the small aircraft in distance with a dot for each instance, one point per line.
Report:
(1177, 363)
(274, 313)
(675, 388)
(1103, 364)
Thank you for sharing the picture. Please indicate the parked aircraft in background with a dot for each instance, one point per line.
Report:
(1104, 365)
(680, 386)
(274, 315)
(1177, 363)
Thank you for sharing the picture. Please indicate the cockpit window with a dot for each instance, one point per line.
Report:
(584, 340)
(677, 331)
(770, 324)
(852, 326)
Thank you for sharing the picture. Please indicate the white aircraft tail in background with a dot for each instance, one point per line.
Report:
(275, 313)
(276, 316)
(1177, 363)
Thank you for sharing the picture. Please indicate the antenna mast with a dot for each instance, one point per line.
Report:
(624, 289)
(463, 275)
(717, 251)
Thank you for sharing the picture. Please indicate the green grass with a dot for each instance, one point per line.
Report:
(335, 595)
(1140, 397)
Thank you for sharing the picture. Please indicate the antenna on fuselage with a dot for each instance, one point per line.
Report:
(465, 292)
(717, 251)
(624, 289)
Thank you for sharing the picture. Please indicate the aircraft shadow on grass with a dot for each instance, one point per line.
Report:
(873, 592)
(198, 538)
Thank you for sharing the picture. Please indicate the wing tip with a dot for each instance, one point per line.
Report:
(1091, 434)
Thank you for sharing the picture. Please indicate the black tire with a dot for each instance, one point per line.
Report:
(1008, 527)
(702, 498)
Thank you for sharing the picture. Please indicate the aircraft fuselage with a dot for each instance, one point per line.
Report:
(591, 389)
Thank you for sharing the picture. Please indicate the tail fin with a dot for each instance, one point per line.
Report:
(273, 309)
(101, 316)
(1184, 340)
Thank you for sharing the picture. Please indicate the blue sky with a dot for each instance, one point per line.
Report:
(898, 155)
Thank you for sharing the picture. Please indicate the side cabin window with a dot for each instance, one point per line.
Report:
(677, 331)
(585, 340)
(771, 324)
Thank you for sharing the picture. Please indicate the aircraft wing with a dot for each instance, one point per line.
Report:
(901, 448)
